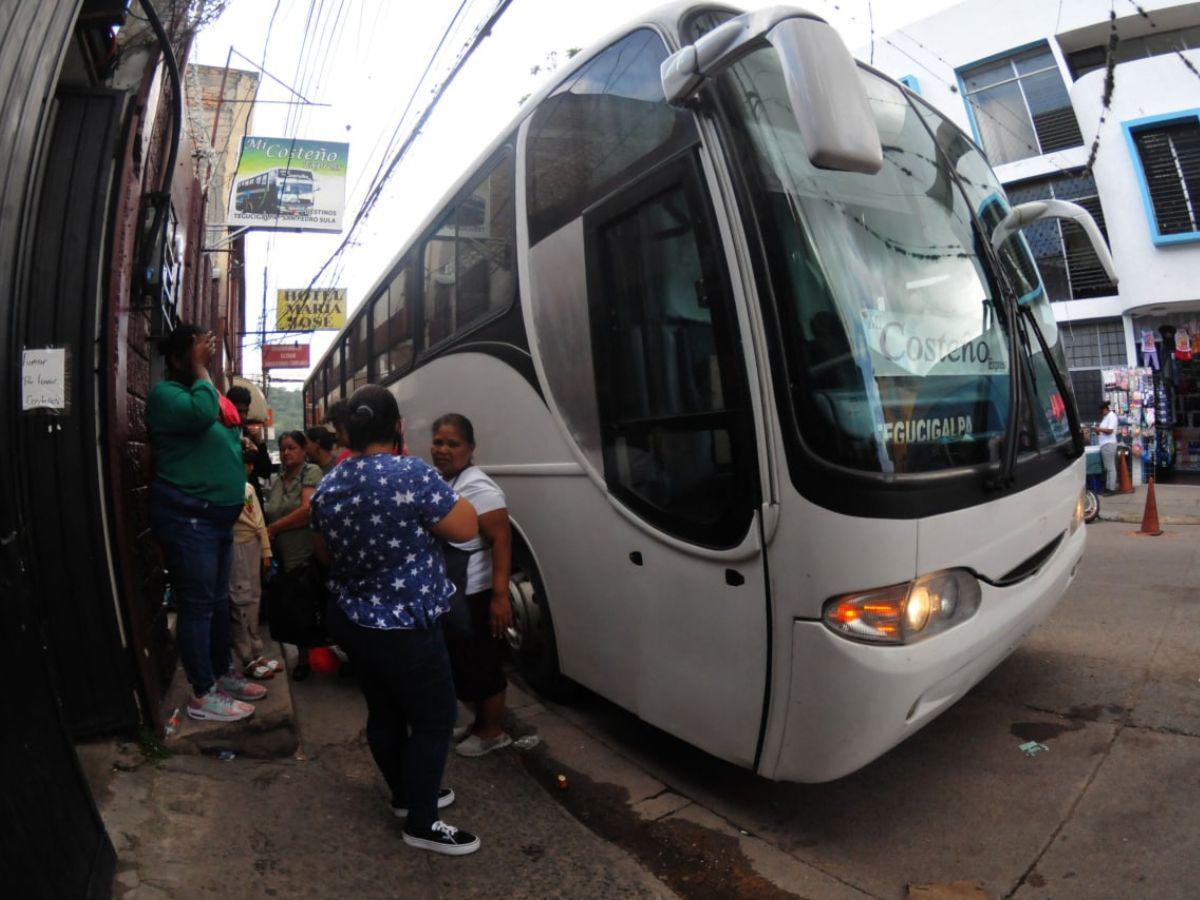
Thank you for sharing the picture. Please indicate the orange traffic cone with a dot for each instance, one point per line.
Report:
(1150, 516)
(1124, 482)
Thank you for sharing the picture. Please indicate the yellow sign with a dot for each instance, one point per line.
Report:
(315, 310)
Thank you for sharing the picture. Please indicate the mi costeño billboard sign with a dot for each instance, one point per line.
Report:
(289, 184)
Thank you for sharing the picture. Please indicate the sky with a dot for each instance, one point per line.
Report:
(366, 58)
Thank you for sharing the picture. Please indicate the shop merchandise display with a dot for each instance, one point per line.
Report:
(1134, 395)
(1173, 352)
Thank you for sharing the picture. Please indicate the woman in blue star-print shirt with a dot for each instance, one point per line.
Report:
(376, 518)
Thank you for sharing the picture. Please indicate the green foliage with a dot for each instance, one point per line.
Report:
(288, 407)
(152, 748)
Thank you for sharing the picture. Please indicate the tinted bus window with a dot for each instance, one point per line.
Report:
(360, 345)
(400, 329)
(392, 328)
(469, 261)
(606, 121)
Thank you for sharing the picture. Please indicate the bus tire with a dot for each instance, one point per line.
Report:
(531, 638)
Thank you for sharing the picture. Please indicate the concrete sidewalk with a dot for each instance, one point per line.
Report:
(318, 824)
(1178, 504)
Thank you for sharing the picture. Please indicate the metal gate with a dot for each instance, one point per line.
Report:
(54, 842)
(61, 454)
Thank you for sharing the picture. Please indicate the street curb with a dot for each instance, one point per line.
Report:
(693, 850)
(269, 734)
(1134, 519)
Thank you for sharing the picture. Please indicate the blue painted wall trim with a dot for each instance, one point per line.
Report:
(1131, 128)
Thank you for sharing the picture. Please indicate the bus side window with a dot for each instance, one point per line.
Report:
(470, 259)
(400, 334)
(670, 383)
(356, 364)
(604, 125)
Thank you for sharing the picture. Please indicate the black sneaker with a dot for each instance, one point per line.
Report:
(445, 798)
(443, 838)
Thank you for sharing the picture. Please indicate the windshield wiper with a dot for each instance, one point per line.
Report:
(1009, 302)
(1059, 382)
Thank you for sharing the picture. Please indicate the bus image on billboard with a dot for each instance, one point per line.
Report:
(279, 192)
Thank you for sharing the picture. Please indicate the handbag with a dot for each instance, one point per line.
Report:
(297, 606)
(457, 622)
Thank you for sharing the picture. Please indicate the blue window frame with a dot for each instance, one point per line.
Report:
(1018, 104)
(1166, 156)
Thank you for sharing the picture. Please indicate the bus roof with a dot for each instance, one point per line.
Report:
(668, 21)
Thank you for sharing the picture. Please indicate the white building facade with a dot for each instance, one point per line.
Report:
(1027, 79)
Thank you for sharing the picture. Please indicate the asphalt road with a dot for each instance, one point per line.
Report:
(1110, 684)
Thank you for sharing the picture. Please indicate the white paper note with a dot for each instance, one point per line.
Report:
(44, 379)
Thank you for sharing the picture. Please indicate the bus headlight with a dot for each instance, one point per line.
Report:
(1080, 507)
(904, 613)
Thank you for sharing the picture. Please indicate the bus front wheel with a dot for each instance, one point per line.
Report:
(531, 636)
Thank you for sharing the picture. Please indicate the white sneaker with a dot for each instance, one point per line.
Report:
(477, 746)
(445, 798)
(443, 838)
(460, 733)
(217, 706)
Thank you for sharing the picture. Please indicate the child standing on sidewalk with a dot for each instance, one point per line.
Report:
(251, 560)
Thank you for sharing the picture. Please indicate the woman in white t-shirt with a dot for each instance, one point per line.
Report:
(478, 679)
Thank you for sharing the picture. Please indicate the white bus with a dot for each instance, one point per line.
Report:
(280, 191)
(789, 453)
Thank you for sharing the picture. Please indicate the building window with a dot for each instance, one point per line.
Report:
(1019, 106)
(1091, 346)
(1068, 265)
(1094, 344)
(1166, 150)
(1089, 59)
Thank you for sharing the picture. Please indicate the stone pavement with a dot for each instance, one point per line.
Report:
(1178, 504)
(318, 824)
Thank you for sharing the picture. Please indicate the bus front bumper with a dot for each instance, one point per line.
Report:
(851, 702)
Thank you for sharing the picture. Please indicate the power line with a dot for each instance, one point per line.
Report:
(480, 35)
(1110, 71)
(411, 99)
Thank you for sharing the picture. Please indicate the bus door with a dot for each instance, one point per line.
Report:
(679, 457)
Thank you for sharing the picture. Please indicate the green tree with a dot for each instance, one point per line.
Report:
(288, 407)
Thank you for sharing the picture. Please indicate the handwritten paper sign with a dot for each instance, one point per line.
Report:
(44, 379)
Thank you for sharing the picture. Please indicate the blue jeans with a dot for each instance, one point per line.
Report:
(406, 681)
(197, 540)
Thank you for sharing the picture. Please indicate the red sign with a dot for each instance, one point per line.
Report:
(284, 356)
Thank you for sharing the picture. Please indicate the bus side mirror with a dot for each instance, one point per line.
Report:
(823, 85)
(1036, 210)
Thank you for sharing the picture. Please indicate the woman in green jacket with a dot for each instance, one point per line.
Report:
(196, 496)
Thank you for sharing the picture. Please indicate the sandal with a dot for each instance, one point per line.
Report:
(261, 669)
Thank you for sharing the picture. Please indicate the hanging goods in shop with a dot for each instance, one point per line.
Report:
(1183, 345)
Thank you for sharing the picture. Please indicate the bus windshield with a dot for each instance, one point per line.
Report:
(299, 185)
(895, 341)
